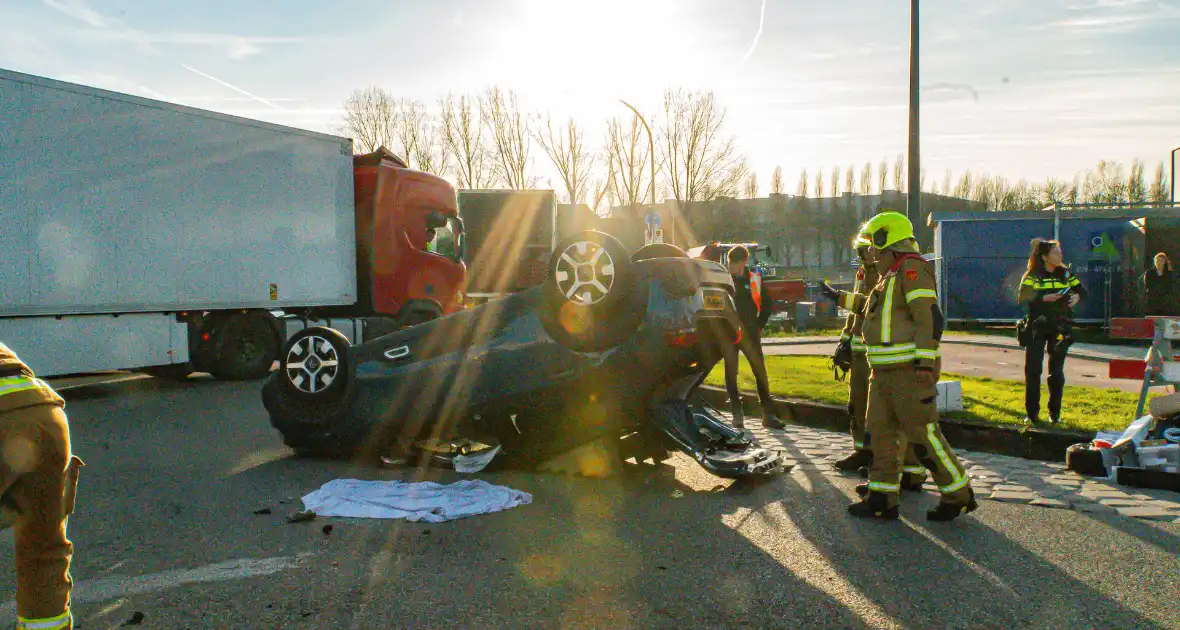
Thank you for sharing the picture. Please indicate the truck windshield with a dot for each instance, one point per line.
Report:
(448, 240)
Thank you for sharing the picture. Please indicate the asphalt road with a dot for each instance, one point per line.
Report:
(991, 362)
(166, 527)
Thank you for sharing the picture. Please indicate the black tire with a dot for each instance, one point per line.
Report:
(658, 250)
(310, 405)
(245, 347)
(594, 311)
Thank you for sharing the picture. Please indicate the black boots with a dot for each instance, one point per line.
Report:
(875, 505)
(950, 511)
(855, 461)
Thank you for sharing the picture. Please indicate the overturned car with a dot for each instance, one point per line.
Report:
(610, 346)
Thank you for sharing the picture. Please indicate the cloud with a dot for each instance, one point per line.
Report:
(106, 28)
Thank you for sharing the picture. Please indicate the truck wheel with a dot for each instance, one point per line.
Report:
(246, 346)
(587, 301)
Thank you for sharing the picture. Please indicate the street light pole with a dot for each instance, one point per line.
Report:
(1173, 199)
(651, 143)
(914, 196)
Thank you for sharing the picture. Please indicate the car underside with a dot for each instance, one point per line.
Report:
(611, 346)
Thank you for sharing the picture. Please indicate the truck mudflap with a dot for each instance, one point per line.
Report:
(716, 446)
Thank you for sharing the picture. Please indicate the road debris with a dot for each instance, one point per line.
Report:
(327, 529)
(301, 516)
(263, 511)
(135, 619)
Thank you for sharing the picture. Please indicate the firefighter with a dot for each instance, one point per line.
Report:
(901, 331)
(850, 357)
(753, 315)
(40, 479)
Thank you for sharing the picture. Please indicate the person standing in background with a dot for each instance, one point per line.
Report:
(753, 311)
(1159, 288)
(1051, 291)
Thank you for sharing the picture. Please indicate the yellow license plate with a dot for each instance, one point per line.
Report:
(714, 302)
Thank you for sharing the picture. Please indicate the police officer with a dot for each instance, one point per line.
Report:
(1051, 291)
(901, 332)
(40, 477)
(850, 356)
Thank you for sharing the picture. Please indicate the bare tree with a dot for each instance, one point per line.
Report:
(750, 187)
(409, 117)
(509, 130)
(899, 173)
(819, 185)
(1136, 188)
(699, 163)
(776, 181)
(369, 118)
(567, 150)
(1160, 186)
(882, 176)
(801, 217)
(965, 186)
(627, 158)
(946, 183)
(463, 139)
(1053, 191)
(835, 184)
(866, 179)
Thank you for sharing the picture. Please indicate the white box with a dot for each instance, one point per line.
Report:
(1171, 328)
(950, 396)
(1171, 372)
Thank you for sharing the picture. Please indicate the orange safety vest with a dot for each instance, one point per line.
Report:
(756, 293)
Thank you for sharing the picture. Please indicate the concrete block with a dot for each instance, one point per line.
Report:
(950, 396)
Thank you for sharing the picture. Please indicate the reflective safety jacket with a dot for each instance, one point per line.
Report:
(902, 323)
(19, 387)
(1035, 286)
(854, 302)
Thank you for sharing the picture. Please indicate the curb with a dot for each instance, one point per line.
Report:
(811, 341)
(1025, 443)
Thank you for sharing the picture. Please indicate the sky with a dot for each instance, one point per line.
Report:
(1018, 88)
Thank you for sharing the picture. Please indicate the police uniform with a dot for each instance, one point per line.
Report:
(914, 474)
(1051, 332)
(901, 333)
(40, 478)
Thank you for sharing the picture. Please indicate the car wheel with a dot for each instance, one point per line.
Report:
(588, 302)
(309, 397)
(316, 363)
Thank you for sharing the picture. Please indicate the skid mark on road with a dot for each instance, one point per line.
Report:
(90, 591)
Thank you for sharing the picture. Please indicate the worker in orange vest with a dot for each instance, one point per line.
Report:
(38, 481)
(753, 314)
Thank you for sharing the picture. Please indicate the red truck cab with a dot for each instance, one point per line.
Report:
(409, 240)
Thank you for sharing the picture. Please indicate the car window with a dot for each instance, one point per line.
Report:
(446, 240)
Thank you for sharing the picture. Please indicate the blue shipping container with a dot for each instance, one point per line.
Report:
(980, 262)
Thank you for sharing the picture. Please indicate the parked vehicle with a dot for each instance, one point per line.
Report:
(150, 236)
(510, 235)
(783, 292)
(609, 346)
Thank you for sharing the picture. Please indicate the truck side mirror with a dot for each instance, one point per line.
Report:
(436, 220)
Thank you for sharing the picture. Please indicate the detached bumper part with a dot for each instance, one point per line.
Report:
(718, 448)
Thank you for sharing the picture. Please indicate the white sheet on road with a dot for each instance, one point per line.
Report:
(424, 501)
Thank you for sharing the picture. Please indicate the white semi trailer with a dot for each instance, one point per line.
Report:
(138, 234)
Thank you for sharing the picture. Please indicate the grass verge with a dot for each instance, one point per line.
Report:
(984, 399)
